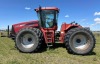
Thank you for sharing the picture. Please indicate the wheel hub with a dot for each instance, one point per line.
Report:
(79, 41)
(27, 40)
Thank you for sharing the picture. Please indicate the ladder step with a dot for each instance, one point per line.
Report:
(48, 35)
(49, 38)
(49, 44)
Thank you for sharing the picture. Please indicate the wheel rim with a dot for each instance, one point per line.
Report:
(27, 40)
(80, 42)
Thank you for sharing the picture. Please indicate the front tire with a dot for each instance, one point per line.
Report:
(29, 40)
(79, 41)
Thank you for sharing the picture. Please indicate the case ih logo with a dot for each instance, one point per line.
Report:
(19, 25)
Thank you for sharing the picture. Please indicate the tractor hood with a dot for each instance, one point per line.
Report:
(17, 27)
(28, 23)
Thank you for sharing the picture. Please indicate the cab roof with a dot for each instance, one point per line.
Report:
(47, 8)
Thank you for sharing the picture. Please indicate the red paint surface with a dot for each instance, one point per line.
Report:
(19, 26)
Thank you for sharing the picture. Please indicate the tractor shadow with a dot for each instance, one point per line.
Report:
(90, 54)
(58, 45)
(55, 46)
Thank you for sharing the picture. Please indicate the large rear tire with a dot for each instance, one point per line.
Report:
(79, 41)
(29, 40)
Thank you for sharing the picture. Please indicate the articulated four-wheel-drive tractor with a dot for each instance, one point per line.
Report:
(33, 35)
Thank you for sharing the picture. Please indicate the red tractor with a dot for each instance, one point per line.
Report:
(30, 36)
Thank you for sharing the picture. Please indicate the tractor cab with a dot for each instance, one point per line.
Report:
(47, 16)
(48, 22)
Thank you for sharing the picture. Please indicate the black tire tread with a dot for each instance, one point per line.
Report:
(40, 39)
(69, 33)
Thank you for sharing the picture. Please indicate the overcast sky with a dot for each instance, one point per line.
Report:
(84, 12)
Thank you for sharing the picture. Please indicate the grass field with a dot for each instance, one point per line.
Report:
(59, 55)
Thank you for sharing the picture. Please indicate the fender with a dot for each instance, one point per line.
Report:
(65, 28)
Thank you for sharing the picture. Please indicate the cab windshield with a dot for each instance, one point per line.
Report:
(48, 18)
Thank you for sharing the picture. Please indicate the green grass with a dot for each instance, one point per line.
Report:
(10, 55)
